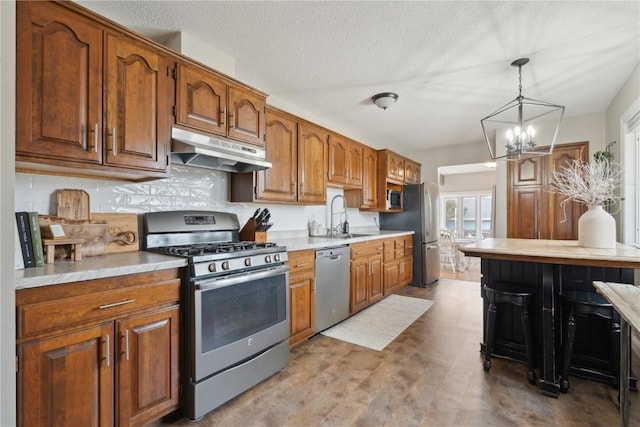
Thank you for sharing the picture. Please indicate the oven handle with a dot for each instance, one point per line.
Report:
(241, 277)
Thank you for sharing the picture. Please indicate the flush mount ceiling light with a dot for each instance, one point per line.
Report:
(385, 100)
(510, 131)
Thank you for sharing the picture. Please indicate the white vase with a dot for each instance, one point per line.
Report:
(597, 229)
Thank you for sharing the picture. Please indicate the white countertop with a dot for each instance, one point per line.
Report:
(96, 267)
(301, 242)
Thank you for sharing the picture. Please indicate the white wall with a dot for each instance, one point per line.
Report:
(7, 218)
(476, 181)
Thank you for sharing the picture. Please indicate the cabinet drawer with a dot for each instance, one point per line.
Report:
(374, 247)
(63, 312)
(301, 261)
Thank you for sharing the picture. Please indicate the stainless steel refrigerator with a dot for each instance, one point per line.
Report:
(421, 207)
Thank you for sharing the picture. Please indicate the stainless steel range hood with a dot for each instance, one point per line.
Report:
(194, 149)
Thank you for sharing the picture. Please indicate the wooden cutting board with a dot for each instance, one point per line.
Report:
(118, 223)
(73, 204)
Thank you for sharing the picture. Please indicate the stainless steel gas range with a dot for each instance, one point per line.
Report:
(236, 304)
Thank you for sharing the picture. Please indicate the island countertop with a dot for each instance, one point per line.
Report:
(554, 252)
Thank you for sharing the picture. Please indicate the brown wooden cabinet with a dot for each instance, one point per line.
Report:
(301, 296)
(411, 172)
(391, 166)
(366, 274)
(74, 115)
(398, 263)
(298, 153)
(533, 212)
(345, 162)
(100, 352)
(210, 103)
(366, 198)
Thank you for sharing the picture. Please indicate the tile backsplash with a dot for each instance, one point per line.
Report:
(187, 188)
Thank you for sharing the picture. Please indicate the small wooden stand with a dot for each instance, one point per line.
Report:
(50, 248)
(249, 233)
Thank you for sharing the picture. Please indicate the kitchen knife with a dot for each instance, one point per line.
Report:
(255, 214)
(260, 217)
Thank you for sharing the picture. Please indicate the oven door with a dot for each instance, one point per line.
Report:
(236, 317)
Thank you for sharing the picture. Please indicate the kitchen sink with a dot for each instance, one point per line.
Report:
(343, 235)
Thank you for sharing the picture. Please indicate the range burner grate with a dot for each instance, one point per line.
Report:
(213, 248)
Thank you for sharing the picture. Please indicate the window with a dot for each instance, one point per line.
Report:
(467, 216)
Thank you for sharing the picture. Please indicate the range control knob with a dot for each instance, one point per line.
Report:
(267, 259)
(225, 265)
(276, 257)
(247, 262)
(212, 267)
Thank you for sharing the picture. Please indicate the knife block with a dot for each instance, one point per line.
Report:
(249, 233)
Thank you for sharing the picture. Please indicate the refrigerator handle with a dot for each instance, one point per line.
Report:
(428, 212)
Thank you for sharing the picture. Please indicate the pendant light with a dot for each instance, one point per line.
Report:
(513, 130)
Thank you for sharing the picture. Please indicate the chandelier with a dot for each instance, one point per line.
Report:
(516, 128)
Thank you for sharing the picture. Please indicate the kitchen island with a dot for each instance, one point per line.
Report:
(547, 268)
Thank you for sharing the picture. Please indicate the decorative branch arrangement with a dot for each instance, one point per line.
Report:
(592, 184)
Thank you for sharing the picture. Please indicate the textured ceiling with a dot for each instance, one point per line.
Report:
(448, 61)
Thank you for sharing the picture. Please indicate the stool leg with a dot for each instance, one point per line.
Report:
(491, 326)
(526, 328)
(615, 357)
(568, 351)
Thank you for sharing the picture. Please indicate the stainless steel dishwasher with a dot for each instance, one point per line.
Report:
(332, 286)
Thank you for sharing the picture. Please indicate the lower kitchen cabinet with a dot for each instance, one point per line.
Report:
(102, 352)
(301, 296)
(366, 275)
(398, 263)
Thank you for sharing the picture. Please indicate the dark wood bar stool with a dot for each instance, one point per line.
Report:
(509, 293)
(576, 303)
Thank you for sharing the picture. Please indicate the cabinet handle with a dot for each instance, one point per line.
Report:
(113, 141)
(126, 344)
(95, 137)
(302, 265)
(107, 347)
(224, 117)
(233, 120)
(115, 304)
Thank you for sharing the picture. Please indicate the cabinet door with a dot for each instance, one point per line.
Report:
(391, 277)
(137, 116)
(312, 163)
(563, 223)
(67, 380)
(526, 217)
(148, 366)
(354, 159)
(246, 121)
(302, 310)
(59, 84)
(359, 279)
(279, 182)
(338, 162)
(406, 271)
(411, 172)
(369, 178)
(201, 100)
(376, 290)
(395, 167)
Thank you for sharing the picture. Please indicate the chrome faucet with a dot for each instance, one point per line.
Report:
(344, 212)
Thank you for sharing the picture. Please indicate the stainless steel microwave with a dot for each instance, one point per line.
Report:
(394, 199)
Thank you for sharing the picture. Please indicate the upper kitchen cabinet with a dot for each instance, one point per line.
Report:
(89, 101)
(312, 161)
(391, 166)
(411, 172)
(297, 151)
(210, 103)
(345, 162)
(365, 198)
